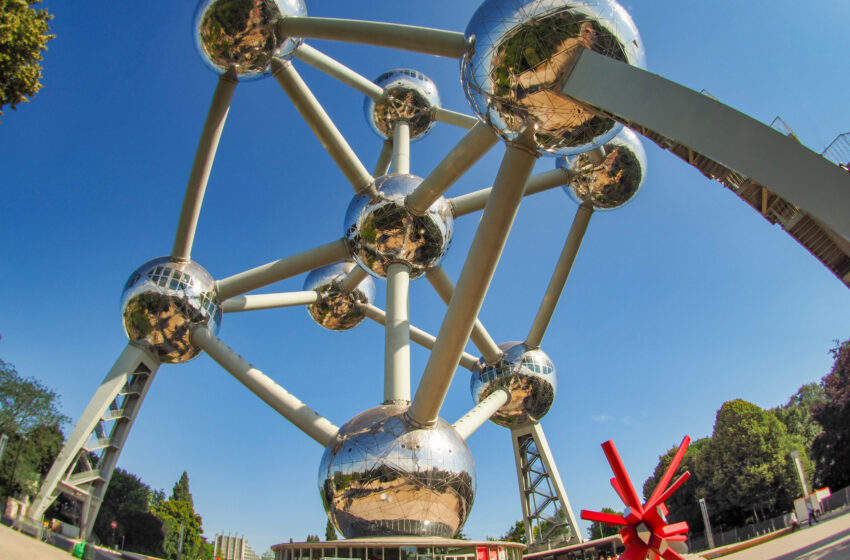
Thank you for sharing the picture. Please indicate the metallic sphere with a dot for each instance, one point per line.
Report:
(522, 52)
(381, 230)
(528, 374)
(610, 181)
(385, 477)
(242, 34)
(410, 96)
(337, 310)
(162, 300)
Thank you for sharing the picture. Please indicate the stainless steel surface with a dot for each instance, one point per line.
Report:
(337, 310)
(385, 477)
(244, 35)
(381, 230)
(615, 180)
(522, 52)
(409, 96)
(528, 374)
(162, 299)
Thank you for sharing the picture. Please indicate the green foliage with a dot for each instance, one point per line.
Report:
(128, 502)
(312, 538)
(24, 402)
(176, 512)
(28, 458)
(830, 449)
(515, 533)
(330, 531)
(683, 505)
(798, 414)
(599, 530)
(23, 35)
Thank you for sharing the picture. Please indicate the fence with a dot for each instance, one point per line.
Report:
(697, 541)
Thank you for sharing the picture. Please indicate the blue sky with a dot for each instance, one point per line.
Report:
(680, 301)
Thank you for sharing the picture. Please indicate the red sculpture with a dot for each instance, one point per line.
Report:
(645, 531)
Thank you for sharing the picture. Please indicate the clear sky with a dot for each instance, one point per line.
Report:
(680, 301)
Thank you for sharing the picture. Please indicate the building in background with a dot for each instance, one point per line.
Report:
(228, 547)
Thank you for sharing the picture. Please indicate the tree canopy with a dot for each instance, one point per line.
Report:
(23, 36)
(25, 403)
(830, 449)
(128, 501)
(178, 512)
(598, 530)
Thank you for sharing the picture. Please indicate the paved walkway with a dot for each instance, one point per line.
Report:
(16, 546)
(827, 540)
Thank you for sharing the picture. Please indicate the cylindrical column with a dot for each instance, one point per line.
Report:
(321, 124)
(200, 174)
(559, 277)
(453, 118)
(406, 37)
(268, 301)
(480, 337)
(420, 337)
(353, 278)
(482, 412)
(281, 269)
(469, 150)
(401, 147)
(320, 61)
(474, 279)
(397, 336)
(382, 166)
(304, 418)
(475, 201)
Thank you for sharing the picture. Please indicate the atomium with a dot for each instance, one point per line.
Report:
(381, 230)
(338, 309)
(385, 477)
(522, 51)
(610, 179)
(529, 376)
(242, 36)
(409, 96)
(162, 300)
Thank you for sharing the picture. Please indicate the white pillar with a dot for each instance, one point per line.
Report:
(401, 147)
(291, 408)
(475, 418)
(268, 301)
(320, 61)
(453, 118)
(397, 336)
(476, 200)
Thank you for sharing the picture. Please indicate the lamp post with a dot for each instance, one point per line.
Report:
(709, 536)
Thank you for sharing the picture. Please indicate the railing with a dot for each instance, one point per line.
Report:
(838, 152)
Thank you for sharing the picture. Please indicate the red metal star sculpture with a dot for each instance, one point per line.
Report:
(645, 531)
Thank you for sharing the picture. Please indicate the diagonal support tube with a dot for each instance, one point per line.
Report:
(469, 150)
(475, 201)
(333, 68)
(453, 118)
(268, 301)
(315, 116)
(450, 44)
(382, 167)
(475, 418)
(302, 416)
(353, 279)
(397, 336)
(201, 166)
(480, 337)
(478, 270)
(417, 335)
(281, 269)
(559, 276)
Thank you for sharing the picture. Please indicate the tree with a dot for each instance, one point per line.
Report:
(798, 414)
(830, 449)
(128, 502)
(683, 504)
(23, 35)
(176, 512)
(24, 402)
(515, 533)
(330, 531)
(312, 538)
(598, 530)
(745, 471)
(27, 459)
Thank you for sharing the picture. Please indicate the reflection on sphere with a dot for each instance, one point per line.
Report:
(337, 310)
(381, 230)
(410, 96)
(243, 34)
(612, 182)
(385, 477)
(528, 374)
(523, 51)
(162, 300)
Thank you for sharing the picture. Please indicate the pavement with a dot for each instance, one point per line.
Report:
(18, 546)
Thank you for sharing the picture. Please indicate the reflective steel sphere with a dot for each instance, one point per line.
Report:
(382, 231)
(385, 477)
(410, 96)
(243, 34)
(162, 299)
(612, 182)
(528, 374)
(522, 52)
(337, 310)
